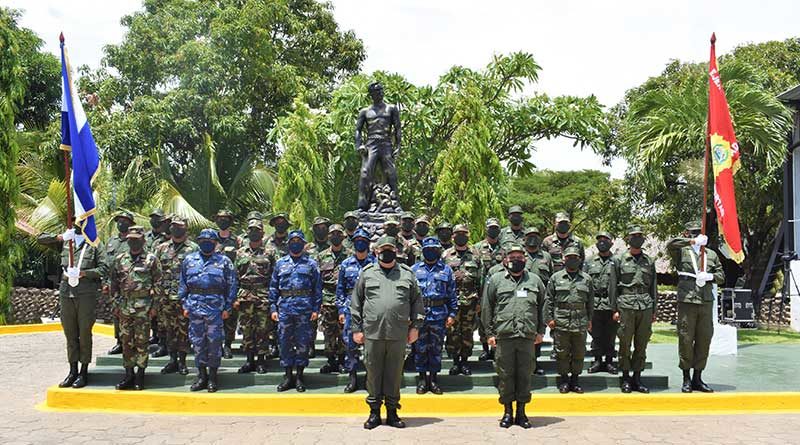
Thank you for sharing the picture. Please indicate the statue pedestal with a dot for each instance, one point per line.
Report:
(382, 207)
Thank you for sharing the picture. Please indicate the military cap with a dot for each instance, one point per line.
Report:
(124, 214)
(279, 215)
(135, 232)
(406, 215)
(390, 221)
(460, 228)
(157, 212)
(443, 226)
(572, 250)
(351, 214)
(359, 233)
(603, 234)
(208, 234)
(512, 247)
(257, 223)
(296, 234)
(492, 222)
(321, 220)
(632, 229)
(561, 216)
(431, 242)
(694, 225)
(423, 219)
(514, 209)
(533, 230)
(255, 214)
(224, 213)
(178, 220)
(386, 240)
(336, 228)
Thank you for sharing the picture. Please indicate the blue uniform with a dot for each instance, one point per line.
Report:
(438, 287)
(207, 286)
(349, 271)
(295, 291)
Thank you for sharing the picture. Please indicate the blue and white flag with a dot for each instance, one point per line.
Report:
(76, 136)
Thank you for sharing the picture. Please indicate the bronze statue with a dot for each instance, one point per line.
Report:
(381, 121)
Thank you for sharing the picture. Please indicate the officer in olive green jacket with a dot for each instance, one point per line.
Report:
(634, 301)
(77, 303)
(511, 312)
(568, 312)
(386, 312)
(562, 238)
(604, 328)
(695, 302)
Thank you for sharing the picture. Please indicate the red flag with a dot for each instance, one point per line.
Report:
(725, 160)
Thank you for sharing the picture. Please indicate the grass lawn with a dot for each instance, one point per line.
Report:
(666, 333)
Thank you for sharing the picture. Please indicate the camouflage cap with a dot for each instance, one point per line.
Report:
(360, 233)
(255, 223)
(336, 228)
(208, 234)
(461, 228)
(157, 212)
(386, 241)
(124, 214)
(533, 230)
(406, 215)
(390, 221)
(694, 225)
(444, 225)
(255, 214)
(572, 250)
(512, 247)
(514, 209)
(321, 220)
(603, 235)
(176, 220)
(135, 232)
(431, 242)
(296, 234)
(351, 214)
(423, 219)
(634, 229)
(279, 215)
(224, 213)
(561, 216)
(492, 222)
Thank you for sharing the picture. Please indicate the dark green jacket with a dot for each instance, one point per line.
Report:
(569, 301)
(385, 304)
(94, 265)
(513, 308)
(636, 283)
(601, 269)
(556, 246)
(540, 263)
(507, 235)
(682, 253)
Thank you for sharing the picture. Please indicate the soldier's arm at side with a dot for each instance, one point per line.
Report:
(100, 269)
(340, 294)
(357, 305)
(539, 303)
(590, 301)
(417, 306)
(487, 308)
(654, 287)
(232, 280)
(183, 290)
(452, 298)
(317, 283)
(548, 311)
(113, 283)
(612, 286)
(274, 291)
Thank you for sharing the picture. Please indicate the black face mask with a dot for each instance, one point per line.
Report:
(255, 236)
(515, 219)
(282, 227)
(136, 244)
(223, 223)
(336, 240)
(387, 256)
(603, 246)
(572, 263)
(177, 232)
(445, 236)
(392, 230)
(493, 232)
(123, 225)
(533, 241)
(516, 266)
(78, 230)
(694, 233)
(422, 229)
(461, 239)
(155, 222)
(320, 233)
(562, 227)
(350, 224)
(408, 225)
(636, 241)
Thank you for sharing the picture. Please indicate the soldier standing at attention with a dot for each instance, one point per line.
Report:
(604, 327)
(115, 246)
(635, 304)
(514, 232)
(320, 228)
(386, 313)
(349, 271)
(408, 238)
(540, 263)
(207, 290)
(351, 223)
(254, 265)
(489, 255)
(329, 261)
(228, 244)
(556, 243)
(295, 297)
(171, 255)
(158, 234)
(135, 275)
(695, 302)
(78, 303)
(466, 267)
(253, 215)
(278, 245)
(568, 311)
(421, 228)
(511, 312)
(444, 231)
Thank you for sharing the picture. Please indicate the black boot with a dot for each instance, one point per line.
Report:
(626, 385)
(352, 382)
(83, 376)
(563, 384)
(610, 368)
(574, 386)
(287, 380)
(202, 380)
(686, 386)
(537, 369)
(597, 365)
(393, 420)
(261, 364)
(508, 416)
(212, 380)
(330, 367)
(138, 380)
(127, 381)
(408, 363)
(116, 349)
(226, 351)
(300, 386)
(456, 368)
(491, 354)
(182, 369)
(522, 418)
(698, 384)
(434, 385)
(161, 351)
(423, 383)
(637, 383)
(249, 364)
(172, 366)
(71, 377)
(465, 369)
(485, 354)
(374, 418)
(340, 361)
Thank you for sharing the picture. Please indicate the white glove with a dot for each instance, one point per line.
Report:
(700, 240)
(69, 235)
(702, 278)
(73, 272)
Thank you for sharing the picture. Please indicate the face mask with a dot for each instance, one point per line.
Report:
(636, 241)
(572, 263)
(223, 223)
(177, 232)
(296, 247)
(78, 230)
(155, 222)
(516, 266)
(603, 246)
(207, 246)
(361, 245)
(350, 224)
(337, 240)
(408, 226)
(255, 236)
(493, 232)
(694, 233)
(123, 225)
(445, 236)
(320, 233)
(431, 255)
(533, 241)
(387, 256)
(515, 219)
(282, 227)
(562, 227)
(392, 230)
(422, 229)
(136, 244)
(461, 239)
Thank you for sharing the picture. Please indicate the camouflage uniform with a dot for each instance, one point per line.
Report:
(442, 230)
(115, 246)
(278, 245)
(171, 255)
(228, 246)
(355, 222)
(509, 234)
(411, 246)
(467, 272)
(349, 271)
(329, 261)
(255, 265)
(555, 245)
(153, 239)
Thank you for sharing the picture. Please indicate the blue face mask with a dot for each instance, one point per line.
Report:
(206, 246)
(361, 245)
(296, 247)
(431, 255)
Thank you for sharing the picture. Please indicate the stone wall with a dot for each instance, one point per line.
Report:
(29, 305)
(778, 316)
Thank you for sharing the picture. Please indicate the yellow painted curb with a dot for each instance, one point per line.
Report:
(457, 405)
(97, 329)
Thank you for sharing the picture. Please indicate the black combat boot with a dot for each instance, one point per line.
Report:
(637, 383)
(563, 385)
(508, 416)
(171, 366)
(330, 366)
(116, 349)
(687, 381)
(574, 385)
(423, 383)
(71, 377)
(485, 354)
(261, 364)
(456, 368)
(491, 354)
(352, 382)
(226, 351)
(212, 380)
(537, 369)
(392, 419)
(138, 379)
(626, 385)
(465, 369)
(83, 376)
(374, 419)
(408, 363)
(610, 368)
(202, 380)
(288, 380)
(162, 349)
(127, 381)
(182, 369)
(249, 364)
(522, 418)
(597, 365)
(300, 386)
(434, 385)
(698, 384)
(312, 349)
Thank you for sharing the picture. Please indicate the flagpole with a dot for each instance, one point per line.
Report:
(67, 176)
(703, 227)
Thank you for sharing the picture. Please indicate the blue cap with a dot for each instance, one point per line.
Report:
(431, 242)
(296, 234)
(360, 233)
(208, 234)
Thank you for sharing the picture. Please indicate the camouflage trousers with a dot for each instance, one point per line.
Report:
(428, 347)
(331, 330)
(254, 317)
(134, 333)
(351, 356)
(294, 334)
(175, 325)
(230, 326)
(206, 333)
(460, 335)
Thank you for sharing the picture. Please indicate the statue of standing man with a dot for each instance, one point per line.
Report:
(381, 121)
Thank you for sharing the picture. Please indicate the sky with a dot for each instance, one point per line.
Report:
(584, 47)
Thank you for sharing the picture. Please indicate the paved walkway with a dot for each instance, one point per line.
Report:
(25, 375)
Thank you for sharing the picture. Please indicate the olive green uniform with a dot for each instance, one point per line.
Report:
(695, 304)
(635, 298)
(604, 328)
(384, 305)
(467, 273)
(510, 235)
(489, 255)
(511, 311)
(569, 303)
(556, 246)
